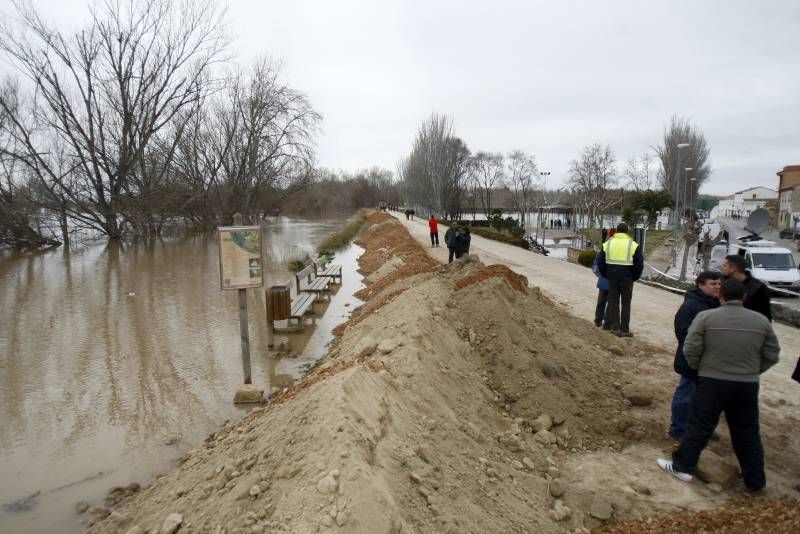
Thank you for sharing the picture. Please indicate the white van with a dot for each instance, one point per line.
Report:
(770, 264)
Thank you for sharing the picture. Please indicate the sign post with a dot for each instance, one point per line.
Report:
(240, 268)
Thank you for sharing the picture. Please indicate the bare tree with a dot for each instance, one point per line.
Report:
(107, 92)
(521, 172)
(486, 169)
(674, 159)
(639, 173)
(592, 178)
(250, 142)
(435, 172)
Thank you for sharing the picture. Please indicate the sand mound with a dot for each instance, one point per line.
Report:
(438, 410)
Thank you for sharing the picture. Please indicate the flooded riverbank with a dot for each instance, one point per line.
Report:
(115, 359)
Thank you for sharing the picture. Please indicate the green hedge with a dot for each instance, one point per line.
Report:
(586, 257)
(503, 237)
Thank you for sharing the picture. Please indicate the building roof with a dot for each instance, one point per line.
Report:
(757, 187)
(789, 168)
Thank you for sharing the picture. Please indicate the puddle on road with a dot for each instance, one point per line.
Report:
(114, 360)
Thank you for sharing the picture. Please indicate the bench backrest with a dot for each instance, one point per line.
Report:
(307, 273)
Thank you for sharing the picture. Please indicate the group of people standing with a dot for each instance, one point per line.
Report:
(557, 224)
(725, 342)
(457, 238)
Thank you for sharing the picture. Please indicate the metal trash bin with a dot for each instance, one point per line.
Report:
(279, 303)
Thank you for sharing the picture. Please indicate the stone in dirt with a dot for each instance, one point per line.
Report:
(557, 488)
(527, 462)
(543, 422)
(637, 396)
(135, 529)
(713, 469)
(387, 345)
(248, 393)
(171, 524)
(366, 346)
(545, 437)
(327, 484)
(601, 507)
(559, 511)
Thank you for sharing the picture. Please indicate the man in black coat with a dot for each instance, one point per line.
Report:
(704, 296)
(756, 296)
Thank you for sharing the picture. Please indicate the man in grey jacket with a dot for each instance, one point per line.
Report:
(730, 347)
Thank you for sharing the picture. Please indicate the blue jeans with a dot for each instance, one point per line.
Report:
(680, 406)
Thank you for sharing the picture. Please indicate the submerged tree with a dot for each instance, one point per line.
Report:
(108, 93)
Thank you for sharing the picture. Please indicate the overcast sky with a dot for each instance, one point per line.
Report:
(544, 77)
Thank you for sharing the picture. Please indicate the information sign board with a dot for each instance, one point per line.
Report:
(240, 257)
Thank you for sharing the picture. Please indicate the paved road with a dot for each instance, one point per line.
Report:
(573, 286)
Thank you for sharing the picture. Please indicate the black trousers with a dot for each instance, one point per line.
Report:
(619, 317)
(739, 401)
(451, 253)
(434, 238)
(600, 310)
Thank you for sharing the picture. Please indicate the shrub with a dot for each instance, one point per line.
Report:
(586, 257)
(503, 237)
(297, 265)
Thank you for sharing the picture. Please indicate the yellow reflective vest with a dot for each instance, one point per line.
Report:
(620, 249)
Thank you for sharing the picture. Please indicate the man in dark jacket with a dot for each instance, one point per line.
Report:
(621, 261)
(464, 240)
(756, 296)
(701, 298)
(451, 240)
(730, 347)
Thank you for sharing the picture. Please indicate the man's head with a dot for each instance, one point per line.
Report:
(622, 228)
(731, 289)
(708, 282)
(734, 266)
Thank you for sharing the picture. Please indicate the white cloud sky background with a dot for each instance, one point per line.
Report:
(544, 77)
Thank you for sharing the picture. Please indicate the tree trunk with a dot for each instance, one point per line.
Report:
(62, 222)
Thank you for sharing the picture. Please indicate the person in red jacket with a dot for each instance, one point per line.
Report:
(433, 224)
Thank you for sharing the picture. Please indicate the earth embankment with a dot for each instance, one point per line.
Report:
(457, 399)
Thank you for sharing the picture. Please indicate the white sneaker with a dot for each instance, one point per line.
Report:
(666, 465)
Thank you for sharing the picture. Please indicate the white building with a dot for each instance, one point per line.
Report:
(742, 203)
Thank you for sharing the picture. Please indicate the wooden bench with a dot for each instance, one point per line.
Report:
(302, 306)
(324, 270)
(309, 282)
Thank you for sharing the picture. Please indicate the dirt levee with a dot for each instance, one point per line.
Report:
(457, 399)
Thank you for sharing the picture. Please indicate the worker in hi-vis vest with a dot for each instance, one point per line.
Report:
(620, 261)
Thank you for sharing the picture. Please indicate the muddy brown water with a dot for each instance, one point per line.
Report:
(116, 359)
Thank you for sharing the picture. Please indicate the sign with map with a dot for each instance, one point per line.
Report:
(240, 257)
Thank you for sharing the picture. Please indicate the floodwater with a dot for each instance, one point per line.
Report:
(116, 359)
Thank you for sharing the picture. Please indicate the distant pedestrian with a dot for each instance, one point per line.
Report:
(756, 296)
(729, 347)
(408, 214)
(464, 241)
(433, 225)
(704, 296)
(451, 240)
(620, 260)
(602, 295)
(412, 212)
